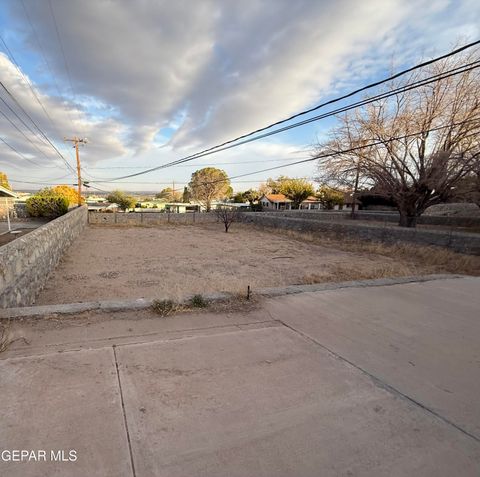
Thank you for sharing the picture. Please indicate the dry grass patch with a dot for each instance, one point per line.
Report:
(410, 258)
(7, 336)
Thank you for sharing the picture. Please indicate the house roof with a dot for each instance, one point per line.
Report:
(4, 192)
(311, 199)
(276, 198)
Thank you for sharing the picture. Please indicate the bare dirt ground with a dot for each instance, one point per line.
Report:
(21, 227)
(174, 261)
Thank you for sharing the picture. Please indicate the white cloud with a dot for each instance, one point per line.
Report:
(213, 69)
(63, 120)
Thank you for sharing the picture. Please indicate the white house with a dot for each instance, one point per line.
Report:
(311, 203)
(275, 202)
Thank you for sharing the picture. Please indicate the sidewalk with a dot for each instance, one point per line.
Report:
(310, 384)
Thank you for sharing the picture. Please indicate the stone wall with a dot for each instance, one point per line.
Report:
(150, 218)
(378, 216)
(332, 223)
(26, 262)
(458, 241)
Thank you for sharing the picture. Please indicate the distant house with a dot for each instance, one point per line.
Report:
(95, 199)
(231, 205)
(275, 202)
(101, 207)
(348, 201)
(151, 204)
(311, 203)
(181, 207)
(158, 205)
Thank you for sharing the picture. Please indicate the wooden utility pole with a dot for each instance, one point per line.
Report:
(76, 141)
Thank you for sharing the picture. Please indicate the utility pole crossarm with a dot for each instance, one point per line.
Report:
(76, 141)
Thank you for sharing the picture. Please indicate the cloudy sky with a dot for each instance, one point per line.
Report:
(150, 81)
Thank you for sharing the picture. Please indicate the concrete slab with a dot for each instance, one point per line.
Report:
(63, 402)
(421, 338)
(268, 402)
(98, 330)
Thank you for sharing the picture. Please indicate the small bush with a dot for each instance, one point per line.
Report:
(197, 301)
(47, 203)
(164, 307)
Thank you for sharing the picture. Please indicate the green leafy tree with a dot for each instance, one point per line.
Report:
(169, 195)
(209, 184)
(4, 181)
(228, 193)
(252, 195)
(329, 197)
(297, 190)
(274, 186)
(47, 203)
(123, 200)
(239, 197)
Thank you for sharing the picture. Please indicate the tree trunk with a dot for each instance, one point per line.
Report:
(407, 220)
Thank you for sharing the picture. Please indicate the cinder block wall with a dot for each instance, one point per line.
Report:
(26, 262)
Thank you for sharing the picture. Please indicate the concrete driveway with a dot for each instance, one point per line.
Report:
(379, 381)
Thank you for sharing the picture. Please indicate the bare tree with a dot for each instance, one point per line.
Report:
(426, 140)
(227, 215)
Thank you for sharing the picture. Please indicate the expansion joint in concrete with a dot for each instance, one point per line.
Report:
(382, 384)
(132, 463)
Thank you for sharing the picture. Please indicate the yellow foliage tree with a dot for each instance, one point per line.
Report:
(69, 193)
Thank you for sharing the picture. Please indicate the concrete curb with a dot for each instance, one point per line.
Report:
(376, 282)
(142, 303)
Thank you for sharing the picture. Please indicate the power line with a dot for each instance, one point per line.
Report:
(42, 51)
(23, 134)
(27, 80)
(377, 143)
(39, 183)
(200, 165)
(18, 117)
(352, 93)
(221, 147)
(20, 154)
(67, 69)
(344, 151)
(88, 186)
(33, 122)
(353, 149)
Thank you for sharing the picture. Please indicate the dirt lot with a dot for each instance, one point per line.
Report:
(10, 237)
(174, 261)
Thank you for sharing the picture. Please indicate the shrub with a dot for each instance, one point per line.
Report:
(47, 203)
(164, 307)
(120, 198)
(69, 192)
(197, 301)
